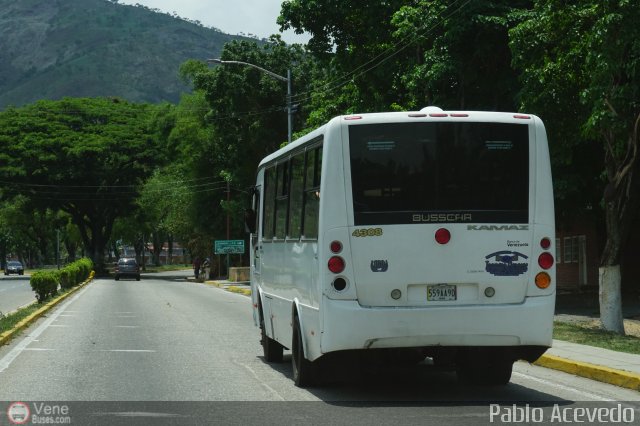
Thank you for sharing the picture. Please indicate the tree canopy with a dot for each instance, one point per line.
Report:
(580, 70)
(86, 157)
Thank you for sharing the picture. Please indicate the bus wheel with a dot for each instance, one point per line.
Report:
(303, 369)
(484, 368)
(497, 373)
(271, 349)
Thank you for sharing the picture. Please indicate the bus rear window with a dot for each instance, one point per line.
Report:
(439, 172)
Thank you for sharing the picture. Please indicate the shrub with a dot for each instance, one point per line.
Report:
(67, 278)
(45, 284)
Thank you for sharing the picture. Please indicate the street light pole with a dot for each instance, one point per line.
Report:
(287, 79)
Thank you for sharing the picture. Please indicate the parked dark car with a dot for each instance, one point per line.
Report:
(14, 267)
(127, 267)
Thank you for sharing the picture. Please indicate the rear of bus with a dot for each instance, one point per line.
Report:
(450, 243)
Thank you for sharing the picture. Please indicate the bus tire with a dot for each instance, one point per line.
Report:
(484, 368)
(303, 369)
(497, 373)
(271, 349)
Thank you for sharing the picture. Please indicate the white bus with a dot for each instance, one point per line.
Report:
(428, 232)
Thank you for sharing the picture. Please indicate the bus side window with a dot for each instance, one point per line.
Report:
(312, 193)
(282, 199)
(269, 203)
(296, 196)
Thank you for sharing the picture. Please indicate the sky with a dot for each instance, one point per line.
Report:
(256, 17)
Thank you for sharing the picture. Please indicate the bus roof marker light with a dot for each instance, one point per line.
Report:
(443, 236)
(353, 117)
(458, 115)
(439, 115)
(522, 116)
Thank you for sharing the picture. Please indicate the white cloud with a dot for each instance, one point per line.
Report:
(256, 17)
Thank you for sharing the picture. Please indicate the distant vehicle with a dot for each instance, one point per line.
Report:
(127, 267)
(14, 267)
(394, 234)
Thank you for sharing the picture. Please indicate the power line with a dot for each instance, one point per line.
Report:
(103, 197)
(54, 186)
(405, 42)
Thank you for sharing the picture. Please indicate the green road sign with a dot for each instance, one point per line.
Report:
(229, 247)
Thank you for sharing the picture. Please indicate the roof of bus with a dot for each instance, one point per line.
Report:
(428, 114)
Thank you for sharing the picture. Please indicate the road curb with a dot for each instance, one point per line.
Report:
(240, 290)
(8, 335)
(229, 287)
(600, 373)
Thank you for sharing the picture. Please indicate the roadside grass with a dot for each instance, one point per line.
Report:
(593, 336)
(8, 321)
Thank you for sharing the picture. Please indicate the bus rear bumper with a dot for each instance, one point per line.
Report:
(347, 325)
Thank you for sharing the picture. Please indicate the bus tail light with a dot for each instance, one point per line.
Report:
(336, 264)
(543, 280)
(335, 247)
(545, 260)
(545, 243)
(339, 284)
(443, 236)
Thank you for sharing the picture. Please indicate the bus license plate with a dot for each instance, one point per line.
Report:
(441, 292)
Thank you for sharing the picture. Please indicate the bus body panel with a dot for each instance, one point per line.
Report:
(371, 328)
(293, 274)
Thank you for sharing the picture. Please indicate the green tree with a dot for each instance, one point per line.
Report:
(85, 157)
(447, 53)
(165, 200)
(29, 232)
(580, 70)
(242, 112)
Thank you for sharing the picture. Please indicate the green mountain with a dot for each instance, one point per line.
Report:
(85, 48)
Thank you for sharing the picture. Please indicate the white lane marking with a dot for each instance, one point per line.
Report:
(127, 326)
(40, 349)
(124, 350)
(6, 361)
(266, 386)
(126, 316)
(59, 325)
(563, 387)
(118, 313)
(65, 315)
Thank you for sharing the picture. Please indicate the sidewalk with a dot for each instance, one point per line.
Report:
(616, 368)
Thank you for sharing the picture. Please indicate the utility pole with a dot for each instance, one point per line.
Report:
(228, 222)
(58, 248)
(286, 79)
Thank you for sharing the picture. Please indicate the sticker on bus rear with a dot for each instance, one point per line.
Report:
(505, 263)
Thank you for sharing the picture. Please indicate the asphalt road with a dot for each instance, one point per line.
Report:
(159, 348)
(15, 292)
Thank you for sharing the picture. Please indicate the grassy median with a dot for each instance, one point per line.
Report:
(7, 322)
(588, 334)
